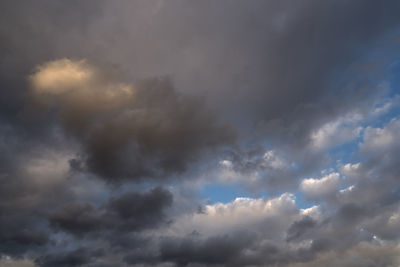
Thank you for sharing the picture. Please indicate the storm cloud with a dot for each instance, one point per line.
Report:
(156, 131)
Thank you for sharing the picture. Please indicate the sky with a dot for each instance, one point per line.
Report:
(199, 133)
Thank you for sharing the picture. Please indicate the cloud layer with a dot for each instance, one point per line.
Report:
(118, 121)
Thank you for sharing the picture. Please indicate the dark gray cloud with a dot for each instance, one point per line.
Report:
(299, 227)
(23, 197)
(78, 257)
(129, 212)
(78, 219)
(156, 131)
(215, 250)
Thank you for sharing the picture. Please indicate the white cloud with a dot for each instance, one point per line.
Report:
(241, 214)
(226, 163)
(313, 212)
(381, 139)
(274, 161)
(347, 190)
(349, 127)
(252, 170)
(320, 187)
(337, 132)
(386, 106)
(227, 174)
(350, 170)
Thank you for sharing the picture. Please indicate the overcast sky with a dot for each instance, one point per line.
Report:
(199, 133)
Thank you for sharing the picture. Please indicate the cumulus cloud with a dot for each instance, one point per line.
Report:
(340, 131)
(244, 231)
(257, 169)
(379, 140)
(350, 170)
(222, 218)
(320, 187)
